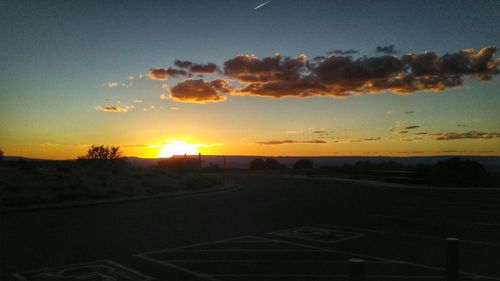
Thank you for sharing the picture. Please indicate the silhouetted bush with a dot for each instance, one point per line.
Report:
(267, 164)
(212, 167)
(1, 154)
(384, 166)
(257, 164)
(103, 153)
(303, 164)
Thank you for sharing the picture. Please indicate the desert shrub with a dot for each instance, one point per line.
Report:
(213, 168)
(303, 164)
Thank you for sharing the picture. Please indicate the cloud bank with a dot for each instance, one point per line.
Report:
(337, 75)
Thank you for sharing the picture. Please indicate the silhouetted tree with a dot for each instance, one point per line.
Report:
(257, 164)
(273, 164)
(267, 164)
(101, 152)
(303, 164)
(1, 154)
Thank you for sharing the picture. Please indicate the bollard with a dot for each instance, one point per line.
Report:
(356, 269)
(453, 258)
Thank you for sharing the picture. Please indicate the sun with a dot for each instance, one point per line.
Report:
(177, 148)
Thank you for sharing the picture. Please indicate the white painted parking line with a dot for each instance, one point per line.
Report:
(213, 267)
(197, 274)
(318, 234)
(103, 269)
(278, 262)
(391, 260)
(197, 245)
(404, 234)
(328, 276)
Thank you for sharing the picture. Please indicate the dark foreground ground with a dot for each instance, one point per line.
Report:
(270, 228)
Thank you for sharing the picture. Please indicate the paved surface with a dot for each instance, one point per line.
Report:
(272, 228)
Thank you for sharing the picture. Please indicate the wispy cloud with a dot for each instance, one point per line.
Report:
(275, 142)
(464, 135)
(115, 108)
(49, 144)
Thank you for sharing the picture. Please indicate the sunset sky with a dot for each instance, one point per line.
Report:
(395, 78)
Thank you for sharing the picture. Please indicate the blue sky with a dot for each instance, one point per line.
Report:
(58, 54)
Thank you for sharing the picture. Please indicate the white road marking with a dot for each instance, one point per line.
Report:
(213, 277)
(197, 274)
(20, 275)
(407, 234)
(390, 260)
(292, 232)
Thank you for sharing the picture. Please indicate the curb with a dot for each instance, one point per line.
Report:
(229, 187)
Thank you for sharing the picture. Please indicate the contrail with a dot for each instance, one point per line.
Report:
(262, 5)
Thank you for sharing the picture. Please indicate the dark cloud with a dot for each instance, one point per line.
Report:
(197, 68)
(388, 50)
(411, 127)
(451, 151)
(183, 63)
(402, 132)
(340, 76)
(409, 152)
(373, 139)
(274, 142)
(200, 91)
(343, 52)
(162, 73)
(250, 69)
(421, 133)
(409, 112)
(464, 135)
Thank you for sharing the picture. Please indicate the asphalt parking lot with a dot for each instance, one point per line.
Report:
(271, 228)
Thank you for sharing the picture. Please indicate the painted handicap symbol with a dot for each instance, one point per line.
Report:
(94, 271)
(97, 272)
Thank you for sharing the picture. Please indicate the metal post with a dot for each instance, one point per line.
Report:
(453, 258)
(356, 269)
